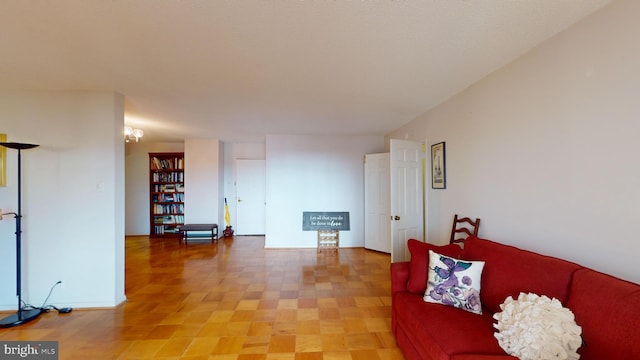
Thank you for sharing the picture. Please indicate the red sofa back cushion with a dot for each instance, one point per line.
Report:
(419, 263)
(608, 309)
(509, 271)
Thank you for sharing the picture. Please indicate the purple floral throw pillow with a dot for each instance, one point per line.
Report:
(454, 282)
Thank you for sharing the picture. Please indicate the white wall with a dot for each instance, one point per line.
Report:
(73, 198)
(137, 220)
(545, 150)
(204, 181)
(315, 173)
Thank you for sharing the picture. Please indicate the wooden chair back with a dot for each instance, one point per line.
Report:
(463, 228)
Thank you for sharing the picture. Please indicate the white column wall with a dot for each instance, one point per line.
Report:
(204, 181)
(72, 198)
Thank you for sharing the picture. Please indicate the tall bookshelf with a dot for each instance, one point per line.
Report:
(166, 193)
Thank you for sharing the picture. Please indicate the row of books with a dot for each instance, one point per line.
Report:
(168, 219)
(168, 209)
(163, 164)
(161, 230)
(168, 197)
(168, 188)
(168, 177)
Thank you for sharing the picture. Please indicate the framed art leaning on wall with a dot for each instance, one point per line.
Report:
(438, 166)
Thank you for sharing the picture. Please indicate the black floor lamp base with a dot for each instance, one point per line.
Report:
(20, 318)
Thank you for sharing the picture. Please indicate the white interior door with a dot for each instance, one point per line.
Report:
(377, 203)
(250, 197)
(407, 163)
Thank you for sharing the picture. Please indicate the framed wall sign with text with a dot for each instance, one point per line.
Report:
(438, 166)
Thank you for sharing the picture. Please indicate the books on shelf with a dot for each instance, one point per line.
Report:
(166, 193)
(168, 219)
(159, 209)
(167, 164)
(170, 197)
(165, 177)
(162, 230)
(163, 188)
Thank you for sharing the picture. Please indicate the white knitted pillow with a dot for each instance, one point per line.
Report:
(537, 328)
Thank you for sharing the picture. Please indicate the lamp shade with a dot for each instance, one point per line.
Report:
(18, 146)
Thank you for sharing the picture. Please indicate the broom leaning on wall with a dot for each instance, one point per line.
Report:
(228, 231)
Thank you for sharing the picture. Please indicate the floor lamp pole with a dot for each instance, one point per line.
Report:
(22, 316)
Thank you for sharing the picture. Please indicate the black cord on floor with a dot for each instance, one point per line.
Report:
(46, 308)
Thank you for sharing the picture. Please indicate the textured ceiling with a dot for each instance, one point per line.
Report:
(237, 70)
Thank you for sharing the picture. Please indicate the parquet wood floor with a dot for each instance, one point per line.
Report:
(233, 300)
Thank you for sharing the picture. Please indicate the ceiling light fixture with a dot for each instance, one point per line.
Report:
(130, 132)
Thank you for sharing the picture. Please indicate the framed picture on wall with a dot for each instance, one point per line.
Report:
(438, 166)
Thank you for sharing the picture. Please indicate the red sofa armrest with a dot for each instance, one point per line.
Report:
(399, 277)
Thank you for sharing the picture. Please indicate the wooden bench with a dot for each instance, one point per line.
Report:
(198, 231)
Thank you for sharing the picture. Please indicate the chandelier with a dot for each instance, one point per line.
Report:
(130, 133)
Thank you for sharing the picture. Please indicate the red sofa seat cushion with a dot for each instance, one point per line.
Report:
(419, 263)
(482, 357)
(606, 307)
(437, 331)
(509, 271)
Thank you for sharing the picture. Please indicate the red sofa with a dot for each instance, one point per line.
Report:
(607, 308)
